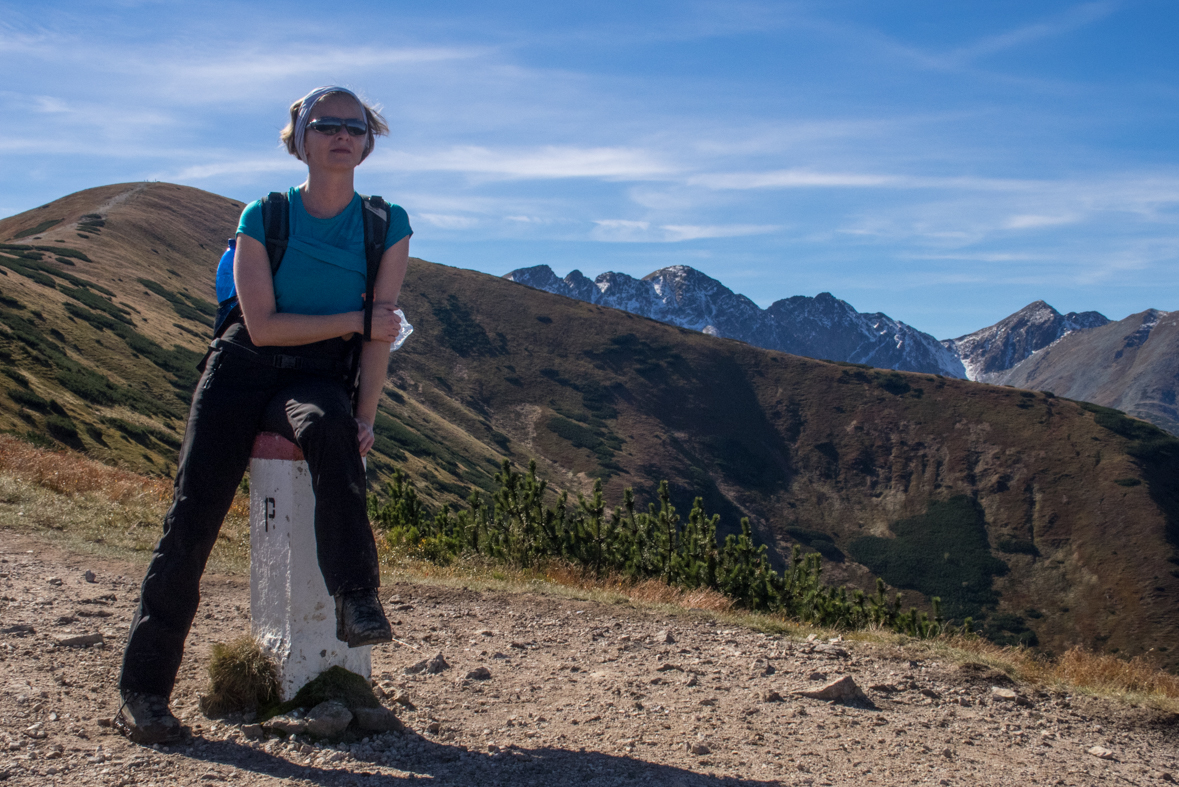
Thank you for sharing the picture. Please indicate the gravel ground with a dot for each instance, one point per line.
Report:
(579, 693)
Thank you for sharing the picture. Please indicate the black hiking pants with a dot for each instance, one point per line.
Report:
(235, 399)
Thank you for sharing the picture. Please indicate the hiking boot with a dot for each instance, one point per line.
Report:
(145, 718)
(360, 619)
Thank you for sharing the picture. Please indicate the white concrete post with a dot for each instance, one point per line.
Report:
(293, 616)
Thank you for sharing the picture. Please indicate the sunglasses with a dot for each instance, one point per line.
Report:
(330, 125)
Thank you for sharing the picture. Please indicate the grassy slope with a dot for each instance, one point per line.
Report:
(830, 455)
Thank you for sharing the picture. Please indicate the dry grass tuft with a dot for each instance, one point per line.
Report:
(68, 473)
(95, 507)
(1137, 680)
(242, 677)
(1139, 675)
(648, 591)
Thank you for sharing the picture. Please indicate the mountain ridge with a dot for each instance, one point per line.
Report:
(990, 352)
(827, 328)
(1130, 364)
(819, 327)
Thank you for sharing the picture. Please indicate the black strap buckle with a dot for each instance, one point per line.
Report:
(287, 361)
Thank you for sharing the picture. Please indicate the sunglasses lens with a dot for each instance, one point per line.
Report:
(329, 125)
(325, 125)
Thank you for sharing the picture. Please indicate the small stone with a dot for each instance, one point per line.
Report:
(435, 727)
(1008, 695)
(669, 668)
(771, 696)
(832, 651)
(1101, 753)
(286, 724)
(842, 690)
(55, 581)
(692, 681)
(1168, 778)
(479, 673)
(933, 695)
(90, 576)
(947, 753)
(78, 640)
(402, 699)
(252, 732)
(817, 676)
(377, 720)
(430, 666)
(20, 629)
(485, 633)
(699, 749)
(708, 702)
(664, 637)
(328, 719)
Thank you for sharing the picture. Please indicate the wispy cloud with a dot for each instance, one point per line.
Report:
(542, 163)
(238, 168)
(628, 231)
(1033, 221)
(803, 179)
(790, 179)
(447, 221)
(1058, 25)
(680, 232)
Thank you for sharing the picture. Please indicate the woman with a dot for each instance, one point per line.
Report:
(312, 307)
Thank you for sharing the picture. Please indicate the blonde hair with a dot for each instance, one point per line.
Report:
(372, 118)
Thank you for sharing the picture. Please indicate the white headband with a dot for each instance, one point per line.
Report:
(305, 107)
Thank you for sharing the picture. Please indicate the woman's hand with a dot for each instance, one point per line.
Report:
(364, 433)
(386, 323)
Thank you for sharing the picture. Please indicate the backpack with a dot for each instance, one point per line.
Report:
(276, 223)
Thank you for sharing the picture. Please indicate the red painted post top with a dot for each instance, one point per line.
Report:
(270, 445)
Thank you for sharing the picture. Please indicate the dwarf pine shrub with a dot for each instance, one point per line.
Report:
(517, 527)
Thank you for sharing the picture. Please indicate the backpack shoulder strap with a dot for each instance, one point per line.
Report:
(276, 223)
(375, 217)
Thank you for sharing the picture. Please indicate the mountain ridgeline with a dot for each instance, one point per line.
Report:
(827, 328)
(1047, 520)
(819, 327)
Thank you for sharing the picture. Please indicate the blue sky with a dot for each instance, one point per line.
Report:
(944, 163)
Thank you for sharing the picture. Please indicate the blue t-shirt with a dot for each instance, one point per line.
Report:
(323, 269)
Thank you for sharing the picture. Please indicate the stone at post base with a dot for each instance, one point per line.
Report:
(293, 616)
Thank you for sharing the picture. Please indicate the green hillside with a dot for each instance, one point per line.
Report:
(1056, 521)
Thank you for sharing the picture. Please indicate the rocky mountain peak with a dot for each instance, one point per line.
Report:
(991, 351)
(819, 327)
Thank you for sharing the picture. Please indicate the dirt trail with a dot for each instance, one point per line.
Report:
(580, 693)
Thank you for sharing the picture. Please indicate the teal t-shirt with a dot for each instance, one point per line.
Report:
(323, 269)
